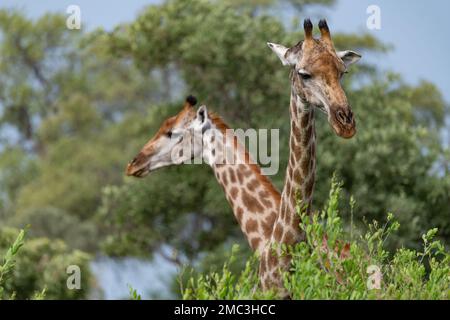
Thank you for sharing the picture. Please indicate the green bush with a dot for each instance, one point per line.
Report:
(9, 261)
(334, 264)
(39, 268)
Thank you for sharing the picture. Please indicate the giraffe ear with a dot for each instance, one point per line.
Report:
(202, 119)
(287, 57)
(349, 57)
(202, 114)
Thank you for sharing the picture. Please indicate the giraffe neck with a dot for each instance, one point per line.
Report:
(300, 173)
(253, 198)
(299, 184)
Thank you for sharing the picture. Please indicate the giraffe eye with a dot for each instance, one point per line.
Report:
(169, 134)
(304, 75)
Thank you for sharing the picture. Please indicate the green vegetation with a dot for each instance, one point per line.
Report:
(133, 293)
(36, 268)
(326, 266)
(77, 106)
(8, 261)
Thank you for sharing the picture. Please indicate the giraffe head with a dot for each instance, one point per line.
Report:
(317, 70)
(179, 139)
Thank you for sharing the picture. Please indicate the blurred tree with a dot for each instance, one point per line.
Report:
(60, 93)
(55, 223)
(30, 51)
(21, 169)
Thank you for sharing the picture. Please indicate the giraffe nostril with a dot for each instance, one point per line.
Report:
(345, 117)
(341, 116)
(350, 117)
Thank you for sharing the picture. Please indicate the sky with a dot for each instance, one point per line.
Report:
(418, 30)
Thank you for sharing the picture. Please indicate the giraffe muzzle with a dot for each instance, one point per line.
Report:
(138, 167)
(343, 122)
(345, 118)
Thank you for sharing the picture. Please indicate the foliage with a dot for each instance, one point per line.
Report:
(326, 266)
(225, 284)
(9, 259)
(133, 293)
(38, 270)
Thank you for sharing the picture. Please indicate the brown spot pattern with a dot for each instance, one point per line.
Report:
(239, 214)
(253, 184)
(307, 136)
(245, 170)
(304, 164)
(224, 178)
(255, 243)
(251, 226)
(304, 120)
(278, 232)
(234, 192)
(251, 203)
(266, 202)
(240, 177)
(232, 175)
(309, 187)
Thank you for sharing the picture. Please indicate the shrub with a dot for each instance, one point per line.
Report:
(9, 261)
(335, 264)
(39, 268)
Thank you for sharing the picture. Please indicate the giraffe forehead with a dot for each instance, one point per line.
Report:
(324, 63)
(321, 58)
(182, 119)
(166, 126)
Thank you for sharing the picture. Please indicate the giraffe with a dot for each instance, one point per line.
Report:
(316, 72)
(201, 134)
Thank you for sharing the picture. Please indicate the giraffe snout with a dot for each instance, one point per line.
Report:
(138, 167)
(343, 122)
(345, 117)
